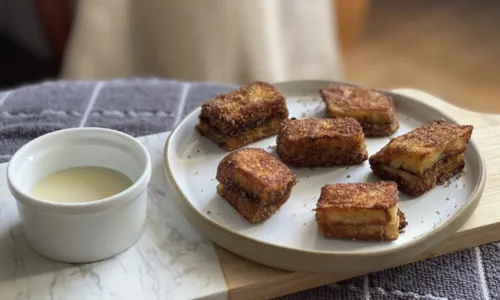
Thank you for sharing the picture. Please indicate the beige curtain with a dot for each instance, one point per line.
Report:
(231, 41)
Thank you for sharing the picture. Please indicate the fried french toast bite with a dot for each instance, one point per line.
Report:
(374, 110)
(423, 158)
(321, 142)
(255, 183)
(243, 116)
(360, 211)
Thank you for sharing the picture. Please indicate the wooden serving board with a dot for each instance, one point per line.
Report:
(249, 280)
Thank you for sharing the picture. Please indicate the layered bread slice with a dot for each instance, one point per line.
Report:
(360, 211)
(423, 158)
(374, 110)
(255, 183)
(321, 142)
(243, 116)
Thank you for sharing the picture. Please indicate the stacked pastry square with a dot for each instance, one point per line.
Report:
(373, 110)
(363, 211)
(241, 117)
(257, 184)
(423, 158)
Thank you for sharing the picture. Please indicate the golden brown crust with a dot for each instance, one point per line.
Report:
(416, 185)
(361, 232)
(418, 150)
(365, 232)
(232, 143)
(254, 182)
(315, 128)
(380, 130)
(402, 221)
(382, 195)
(361, 211)
(234, 113)
(433, 135)
(262, 169)
(370, 107)
(353, 98)
(251, 209)
(325, 159)
(321, 142)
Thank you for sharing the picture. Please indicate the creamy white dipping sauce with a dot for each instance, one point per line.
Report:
(81, 184)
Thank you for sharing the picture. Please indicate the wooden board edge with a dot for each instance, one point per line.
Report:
(479, 120)
(291, 282)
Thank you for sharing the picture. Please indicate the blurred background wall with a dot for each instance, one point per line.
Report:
(24, 51)
(448, 47)
(19, 20)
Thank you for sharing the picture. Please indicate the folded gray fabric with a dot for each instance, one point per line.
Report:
(146, 106)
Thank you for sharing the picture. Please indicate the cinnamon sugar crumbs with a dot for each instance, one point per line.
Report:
(317, 128)
(351, 98)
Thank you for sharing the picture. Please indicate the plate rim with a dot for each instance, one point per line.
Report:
(456, 221)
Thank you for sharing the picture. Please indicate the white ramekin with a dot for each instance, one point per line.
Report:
(81, 232)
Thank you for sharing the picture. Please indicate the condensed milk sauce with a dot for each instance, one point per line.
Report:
(81, 184)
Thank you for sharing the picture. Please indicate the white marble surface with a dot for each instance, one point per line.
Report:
(170, 260)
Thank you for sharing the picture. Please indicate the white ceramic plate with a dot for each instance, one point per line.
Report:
(290, 239)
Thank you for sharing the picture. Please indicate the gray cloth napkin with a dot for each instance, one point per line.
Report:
(146, 106)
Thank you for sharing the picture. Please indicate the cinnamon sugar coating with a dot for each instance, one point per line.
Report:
(321, 142)
(374, 110)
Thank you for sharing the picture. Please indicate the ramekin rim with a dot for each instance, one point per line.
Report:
(107, 203)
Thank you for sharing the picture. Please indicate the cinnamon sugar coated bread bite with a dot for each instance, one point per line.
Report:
(423, 158)
(254, 182)
(360, 211)
(243, 116)
(321, 142)
(374, 110)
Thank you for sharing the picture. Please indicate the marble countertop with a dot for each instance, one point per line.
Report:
(171, 260)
